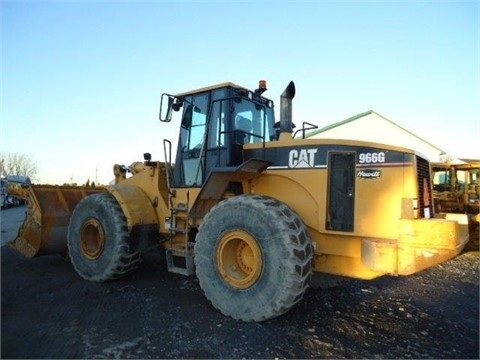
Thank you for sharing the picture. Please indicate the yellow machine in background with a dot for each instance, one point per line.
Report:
(249, 207)
(456, 196)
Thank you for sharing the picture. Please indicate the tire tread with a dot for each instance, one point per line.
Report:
(298, 260)
(123, 258)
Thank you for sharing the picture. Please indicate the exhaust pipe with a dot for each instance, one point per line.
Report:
(286, 124)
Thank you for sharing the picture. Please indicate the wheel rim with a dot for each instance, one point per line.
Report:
(239, 259)
(92, 239)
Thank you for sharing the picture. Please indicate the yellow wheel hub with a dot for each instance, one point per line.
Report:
(92, 239)
(239, 259)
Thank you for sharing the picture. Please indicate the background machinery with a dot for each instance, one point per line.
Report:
(249, 208)
(456, 196)
(13, 190)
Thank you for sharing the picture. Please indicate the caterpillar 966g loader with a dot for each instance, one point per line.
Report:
(249, 208)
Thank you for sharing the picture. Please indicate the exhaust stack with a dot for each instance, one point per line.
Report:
(286, 124)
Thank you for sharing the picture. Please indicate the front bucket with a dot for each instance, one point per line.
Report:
(44, 230)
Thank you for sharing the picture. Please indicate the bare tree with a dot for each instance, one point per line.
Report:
(18, 164)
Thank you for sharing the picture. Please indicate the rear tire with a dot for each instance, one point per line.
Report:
(98, 239)
(253, 257)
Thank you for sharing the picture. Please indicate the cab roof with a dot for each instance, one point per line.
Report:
(212, 87)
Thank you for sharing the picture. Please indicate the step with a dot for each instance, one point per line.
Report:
(179, 208)
(186, 270)
(179, 230)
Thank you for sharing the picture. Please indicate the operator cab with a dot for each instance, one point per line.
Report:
(216, 123)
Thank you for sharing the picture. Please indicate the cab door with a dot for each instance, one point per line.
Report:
(189, 167)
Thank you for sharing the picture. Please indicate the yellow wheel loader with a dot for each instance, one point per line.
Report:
(456, 196)
(249, 206)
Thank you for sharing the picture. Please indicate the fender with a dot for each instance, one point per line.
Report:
(135, 204)
(214, 187)
(291, 192)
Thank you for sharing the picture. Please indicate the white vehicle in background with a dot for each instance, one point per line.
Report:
(12, 192)
(3, 193)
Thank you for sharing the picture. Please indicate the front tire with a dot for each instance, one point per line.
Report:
(98, 239)
(253, 257)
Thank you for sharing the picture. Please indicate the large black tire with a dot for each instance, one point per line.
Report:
(98, 239)
(253, 257)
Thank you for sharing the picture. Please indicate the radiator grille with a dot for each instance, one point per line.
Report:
(424, 187)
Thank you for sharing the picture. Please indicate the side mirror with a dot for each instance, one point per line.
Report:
(166, 107)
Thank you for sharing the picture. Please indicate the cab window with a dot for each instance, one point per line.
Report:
(255, 121)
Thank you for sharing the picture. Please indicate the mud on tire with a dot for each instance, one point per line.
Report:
(276, 240)
(98, 239)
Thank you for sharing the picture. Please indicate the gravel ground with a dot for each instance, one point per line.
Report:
(48, 311)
